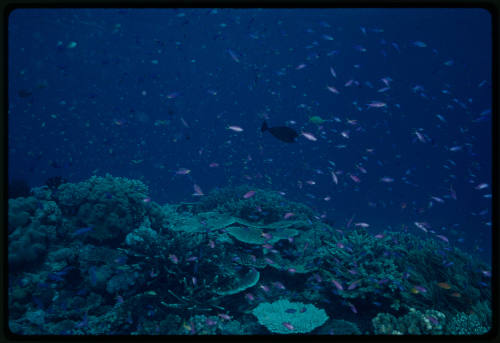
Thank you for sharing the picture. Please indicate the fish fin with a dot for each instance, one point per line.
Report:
(264, 127)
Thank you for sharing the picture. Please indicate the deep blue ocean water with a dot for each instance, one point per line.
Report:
(103, 106)
(146, 93)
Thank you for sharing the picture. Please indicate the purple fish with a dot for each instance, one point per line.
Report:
(382, 281)
(353, 285)
(338, 285)
(443, 238)
(84, 322)
(420, 289)
(81, 231)
(433, 320)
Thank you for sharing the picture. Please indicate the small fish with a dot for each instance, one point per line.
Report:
(349, 83)
(224, 316)
(213, 165)
(420, 137)
(210, 322)
(420, 289)
(354, 178)
(119, 299)
(453, 194)
(362, 224)
(387, 179)
(268, 260)
(288, 215)
(332, 71)
(235, 128)
(249, 296)
(264, 288)
(433, 320)
(377, 104)
(233, 55)
(337, 284)
(456, 295)
(361, 169)
(414, 290)
(81, 231)
(309, 136)
(278, 285)
(172, 95)
(186, 326)
(444, 285)
(267, 235)
(379, 236)
(334, 178)
(419, 44)
(288, 326)
(420, 226)
(197, 190)
(300, 66)
(481, 186)
(444, 238)
(437, 199)
(173, 258)
(396, 46)
(353, 308)
(317, 277)
(248, 194)
(183, 171)
(333, 89)
(292, 270)
(354, 284)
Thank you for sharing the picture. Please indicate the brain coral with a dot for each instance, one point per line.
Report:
(112, 206)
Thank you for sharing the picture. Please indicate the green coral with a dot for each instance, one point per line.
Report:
(361, 258)
(20, 211)
(463, 324)
(430, 322)
(265, 206)
(246, 234)
(239, 284)
(113, 206)
(287, 317)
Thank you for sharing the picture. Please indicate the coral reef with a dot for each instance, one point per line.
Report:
(287, 317)
(463, 324)
(430, 322)
(100, 257)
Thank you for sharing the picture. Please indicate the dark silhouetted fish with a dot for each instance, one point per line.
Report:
(283, 133)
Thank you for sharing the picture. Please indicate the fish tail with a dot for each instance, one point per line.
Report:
(264, 127)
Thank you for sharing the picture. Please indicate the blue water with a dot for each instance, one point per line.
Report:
(142, 93)
(94, 107)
